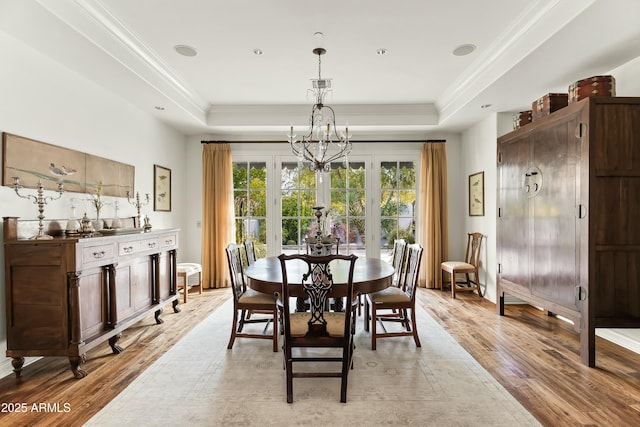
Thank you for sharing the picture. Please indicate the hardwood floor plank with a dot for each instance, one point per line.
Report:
(536, 358)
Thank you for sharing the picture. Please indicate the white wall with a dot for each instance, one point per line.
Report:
(44, 100)
(479, 155)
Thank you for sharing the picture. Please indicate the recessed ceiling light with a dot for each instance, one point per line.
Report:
(185, 50)
(257, 52)
(381, 51)
(486, 105)
(464, 49)
(159, 108)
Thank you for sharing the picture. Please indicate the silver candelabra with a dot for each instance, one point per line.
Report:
(138, 204)
(38, 199)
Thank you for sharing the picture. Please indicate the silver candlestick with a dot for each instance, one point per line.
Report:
(40, 200)
(138, 204)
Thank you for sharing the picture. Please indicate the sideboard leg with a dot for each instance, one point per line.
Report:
(158, 312)
(114, 347)
(75, 362)
(17, 363)
(176, 309)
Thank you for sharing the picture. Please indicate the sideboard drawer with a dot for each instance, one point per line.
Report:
(168, 240)
(98, 253)
(149, 244)
(128, 248)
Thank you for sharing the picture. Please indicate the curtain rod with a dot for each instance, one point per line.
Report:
(353, 141)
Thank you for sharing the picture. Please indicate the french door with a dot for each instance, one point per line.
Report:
(370, 203)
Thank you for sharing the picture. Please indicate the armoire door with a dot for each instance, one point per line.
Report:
(514, 216)
(554, 255)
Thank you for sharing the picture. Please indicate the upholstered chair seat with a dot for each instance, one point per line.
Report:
(300, 324)
(254, 297)
(390, 295)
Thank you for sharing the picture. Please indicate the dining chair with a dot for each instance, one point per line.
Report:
(250, 251)
(328, 246)
(247, 300)
(317, 328)
(467, 267)
(399, 253)
(393, 303)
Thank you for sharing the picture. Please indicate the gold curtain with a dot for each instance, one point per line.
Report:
(217, 214)
(432, 212)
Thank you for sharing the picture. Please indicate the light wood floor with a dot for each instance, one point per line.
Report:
(536, 358)
(533, 356)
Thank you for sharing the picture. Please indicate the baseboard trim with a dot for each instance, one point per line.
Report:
(6, 368)
(617, 337)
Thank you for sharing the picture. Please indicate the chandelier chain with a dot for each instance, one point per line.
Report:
(323, 144)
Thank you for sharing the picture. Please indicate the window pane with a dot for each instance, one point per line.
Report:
(339, 201)
(407, 203)
(307, 202)
(289, 232)
(357, 202)
(338, 175)
(289, 203)
(258, 203)
(240, 175)
(348, 204)
(397, 205)
(258, 175)
(239, 202)
(357, 174)
(307, 179)
(407, 175)
(250, 207)
(298, 199)
(388, 178)
(389, 200)
(289, 175)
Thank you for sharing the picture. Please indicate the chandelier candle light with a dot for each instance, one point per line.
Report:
(322, 144)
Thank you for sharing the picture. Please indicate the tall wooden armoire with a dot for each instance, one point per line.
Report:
(568, 227)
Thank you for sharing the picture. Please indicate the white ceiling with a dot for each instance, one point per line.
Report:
(525, 49)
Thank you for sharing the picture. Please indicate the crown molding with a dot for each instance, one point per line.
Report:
(537, 24)
(93, 21)
(353, 115)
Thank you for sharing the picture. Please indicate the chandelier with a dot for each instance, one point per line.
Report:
(323, 143)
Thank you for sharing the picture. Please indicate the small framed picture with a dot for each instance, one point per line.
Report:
(476, 194)
(161, 188)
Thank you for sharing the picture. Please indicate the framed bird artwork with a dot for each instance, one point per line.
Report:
(476, 194)
(161, 188)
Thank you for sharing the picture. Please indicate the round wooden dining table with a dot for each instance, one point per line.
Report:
(369, 275)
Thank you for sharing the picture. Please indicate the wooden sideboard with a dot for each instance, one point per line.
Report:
(65, 296)
(568, 236)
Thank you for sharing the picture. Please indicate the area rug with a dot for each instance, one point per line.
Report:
(198, 382)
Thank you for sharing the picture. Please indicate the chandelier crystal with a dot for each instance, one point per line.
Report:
(323, 143)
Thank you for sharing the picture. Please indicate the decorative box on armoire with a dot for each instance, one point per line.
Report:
(568, 234)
